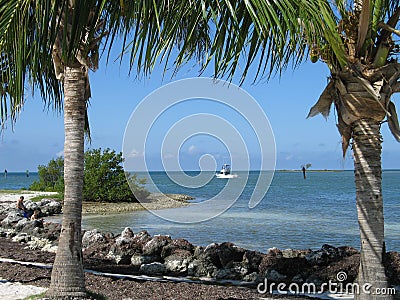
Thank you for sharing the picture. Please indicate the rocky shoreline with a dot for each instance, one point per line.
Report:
(154, 202)
(139, 253)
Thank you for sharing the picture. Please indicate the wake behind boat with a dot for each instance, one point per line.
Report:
(226, 172)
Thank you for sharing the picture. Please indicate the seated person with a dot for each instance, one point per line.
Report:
(22, 209)
(36, 214)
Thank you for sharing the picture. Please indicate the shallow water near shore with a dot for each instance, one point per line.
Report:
(295, 213)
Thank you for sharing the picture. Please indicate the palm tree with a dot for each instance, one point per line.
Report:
(51, 45)
(357, 41)
(353, 39)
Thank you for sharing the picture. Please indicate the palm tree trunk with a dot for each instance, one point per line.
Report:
(368, 179)
(67, 278)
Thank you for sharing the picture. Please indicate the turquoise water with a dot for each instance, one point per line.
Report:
(16, 180)
(295, 213)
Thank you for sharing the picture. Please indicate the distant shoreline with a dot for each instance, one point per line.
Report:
(197, 171)
(308, 171)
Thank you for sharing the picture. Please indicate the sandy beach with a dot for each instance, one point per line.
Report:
(9, 197)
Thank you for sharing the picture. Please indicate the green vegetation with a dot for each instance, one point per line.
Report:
(36, 297)
(104, 178)
(59, 197)
(51, 177)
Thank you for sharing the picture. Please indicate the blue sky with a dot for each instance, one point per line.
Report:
(38, 135)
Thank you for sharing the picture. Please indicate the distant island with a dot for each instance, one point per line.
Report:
(317, 170)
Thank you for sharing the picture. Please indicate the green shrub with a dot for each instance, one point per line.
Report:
(51, 177)
(104, 178)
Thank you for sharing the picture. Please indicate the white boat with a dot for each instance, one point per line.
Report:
(226, 172)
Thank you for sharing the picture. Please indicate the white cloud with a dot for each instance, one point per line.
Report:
(169, 156)
(289, 157)
(60, 153)
(135, 153)
(192, 149)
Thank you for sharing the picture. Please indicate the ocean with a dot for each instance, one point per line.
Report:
(294, 213)
(17, 180)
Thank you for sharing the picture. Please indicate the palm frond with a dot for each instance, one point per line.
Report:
(24, 45)
(393, 121)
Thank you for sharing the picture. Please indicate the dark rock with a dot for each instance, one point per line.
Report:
(325, 255)
(392, 265)
(92, 237)
(178, 263)
(125, 237)
(198, 250)
(137, 260)
(202, 267)
(274, 276)
(295, 253)
(288, 267)
(176, 246)
(49, 207)
(51, 231)
(252, 259)
(153, 269)
(274, 252)
(141, 238)
(13, 217)
(348, 265)
(229, 252)
(154, 246)
(235, 272)
(211, 254)
(122, 254)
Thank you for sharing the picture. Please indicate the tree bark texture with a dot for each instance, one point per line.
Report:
(67, 279)
(367, 147)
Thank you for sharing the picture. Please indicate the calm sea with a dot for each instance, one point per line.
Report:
(17, 181)
(295, 213)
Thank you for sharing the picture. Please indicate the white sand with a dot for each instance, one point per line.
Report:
(7, 198)
(16, 290)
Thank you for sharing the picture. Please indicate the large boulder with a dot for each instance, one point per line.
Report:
(209, 254)
(229, 253)
(252, 259)
(176, 246)
(155, 246)
(92, 237)
(153, 269)
(201, 267)
(178, 262)
(125, 237)
(49, 207)
(122, 254)
(12, 218)
(328, 254)
(137, 260)
(141, 238)
(236, 271)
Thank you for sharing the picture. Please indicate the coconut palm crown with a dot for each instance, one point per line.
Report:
(358, 41)
(51, 45)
